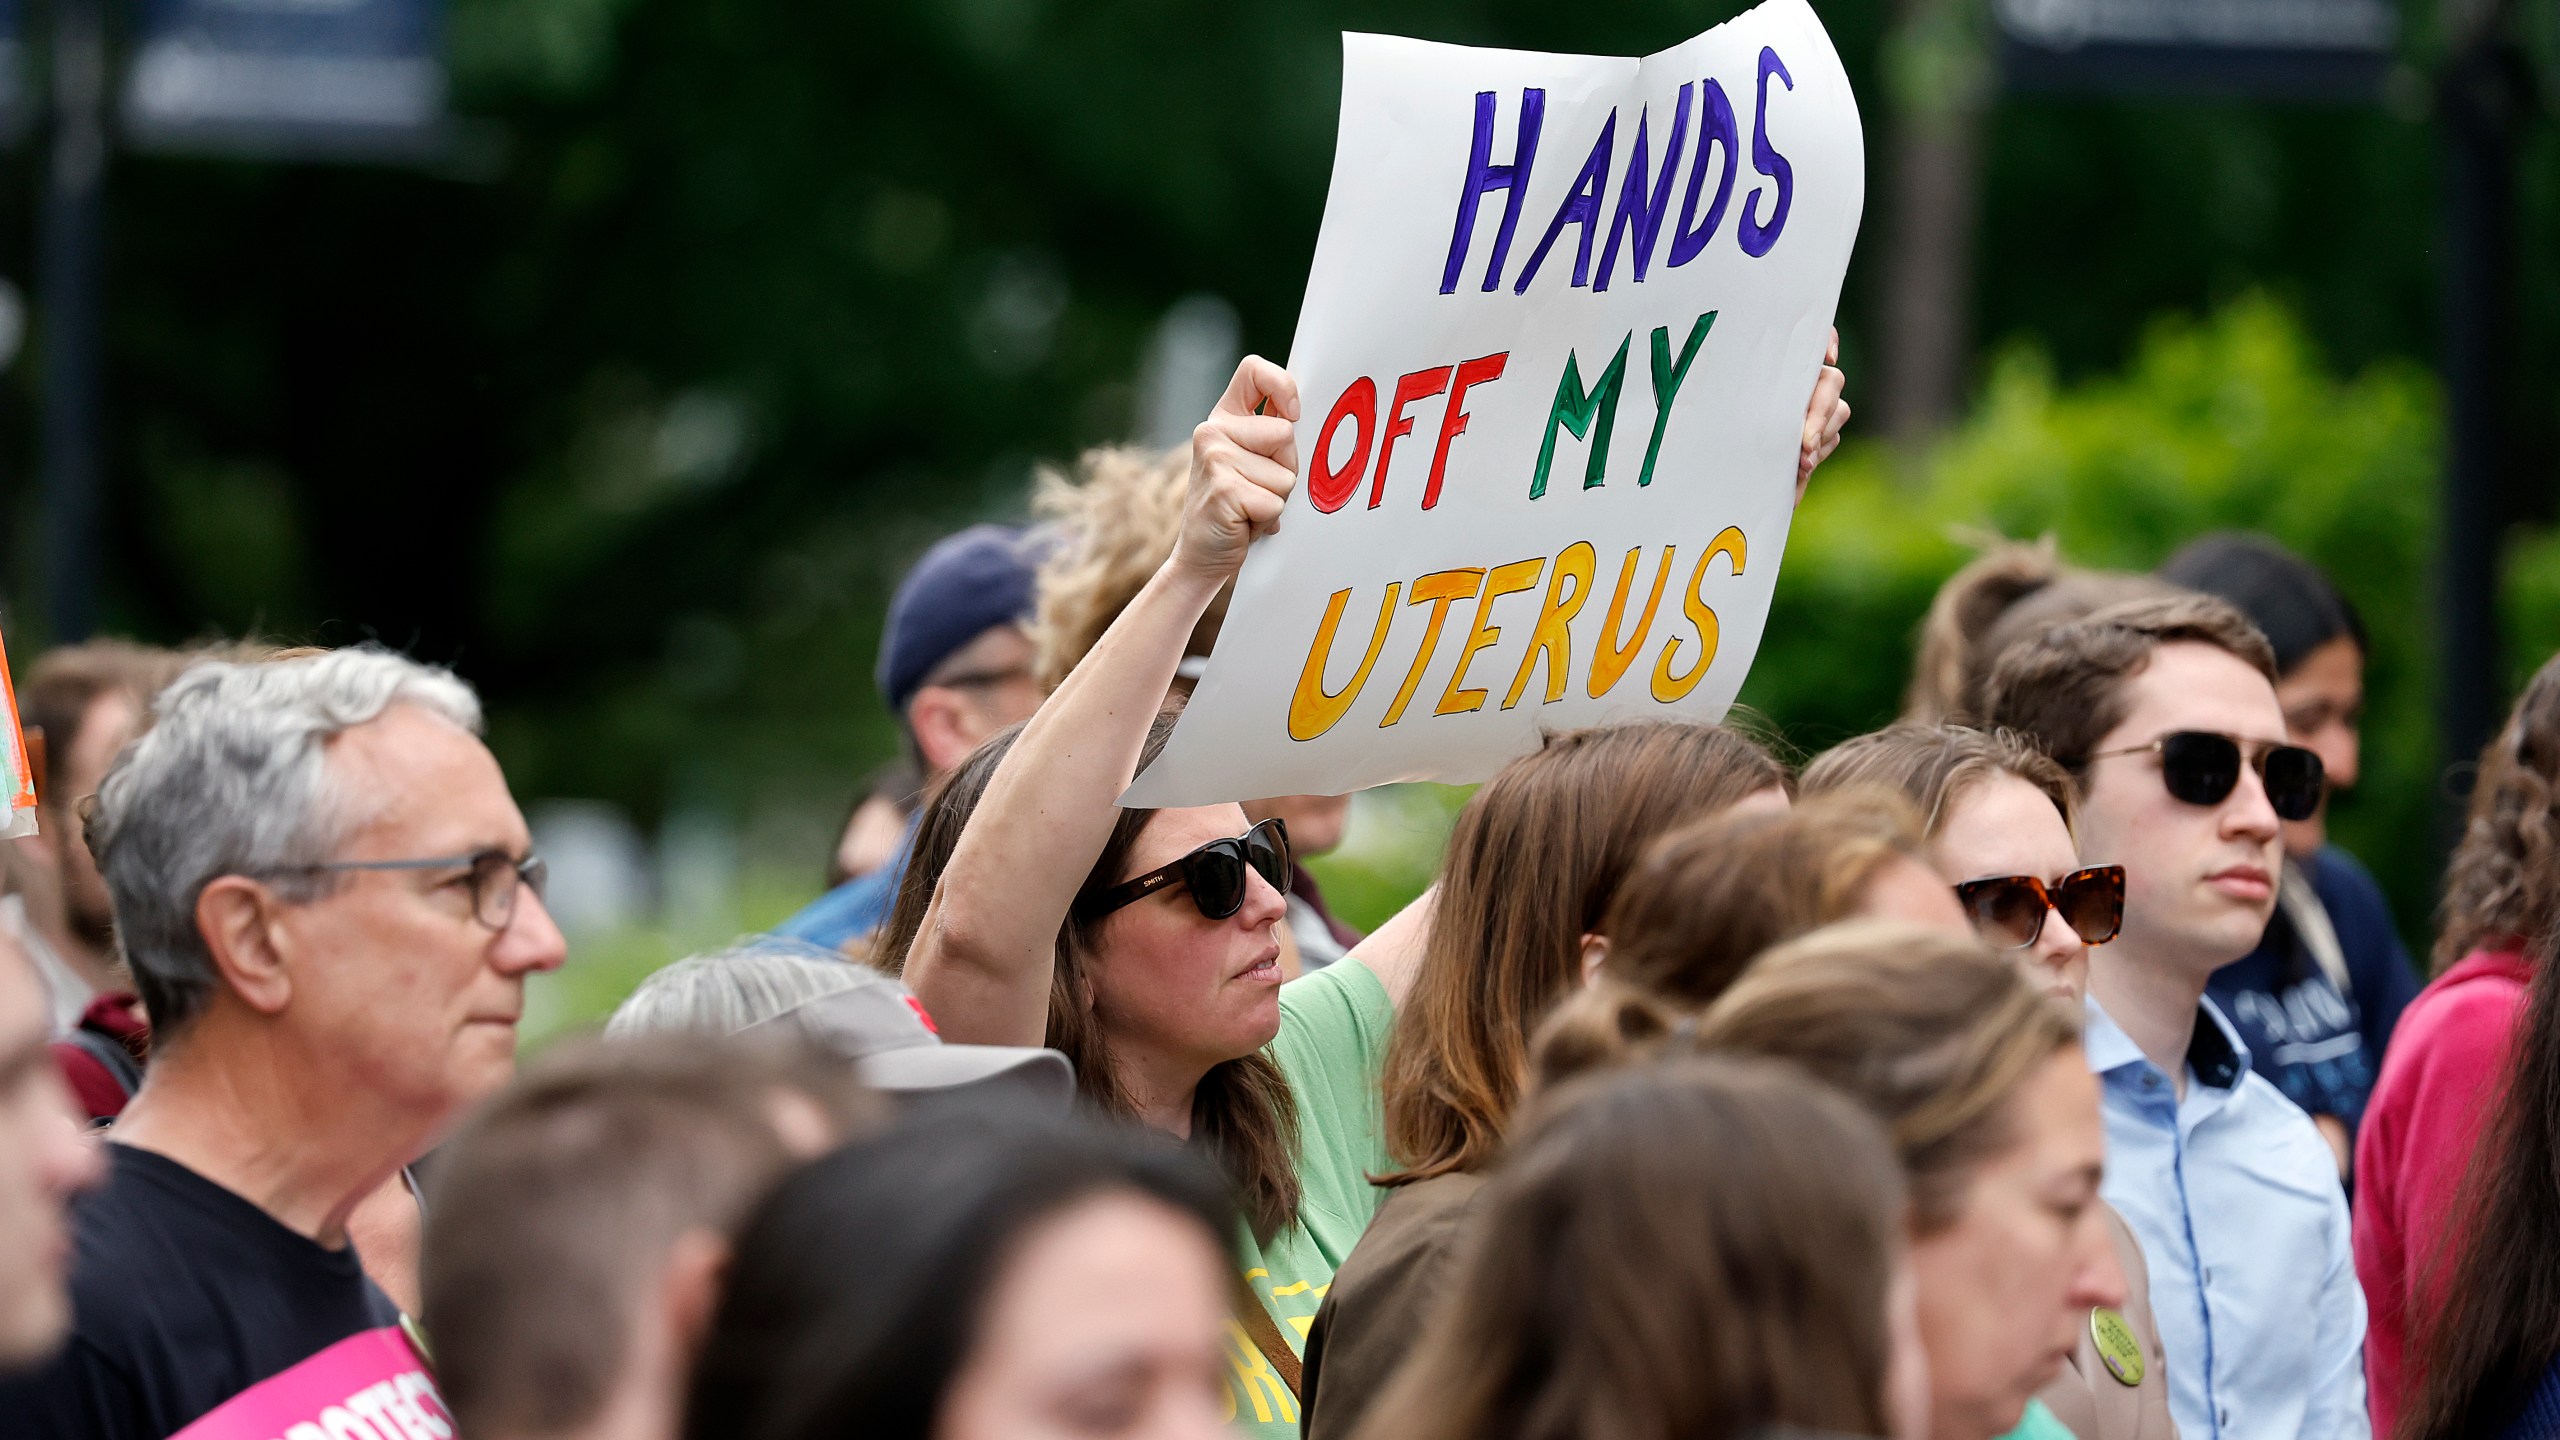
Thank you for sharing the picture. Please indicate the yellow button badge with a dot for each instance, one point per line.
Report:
(2116, 1345)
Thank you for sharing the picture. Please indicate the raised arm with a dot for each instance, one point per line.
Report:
(982, 960)
(1393, 951)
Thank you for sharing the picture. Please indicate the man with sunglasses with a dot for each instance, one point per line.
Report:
(2164, 711)
(330, 906)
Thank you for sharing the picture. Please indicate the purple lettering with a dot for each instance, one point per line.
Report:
(1756, 238)
(1716, 127)
(1636, 212)
(1483, 176)
(1581, 207)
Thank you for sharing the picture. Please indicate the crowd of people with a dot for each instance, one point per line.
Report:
(2033, 1066)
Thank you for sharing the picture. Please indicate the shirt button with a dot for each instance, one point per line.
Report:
(2222, 1417)
(2150, 1082)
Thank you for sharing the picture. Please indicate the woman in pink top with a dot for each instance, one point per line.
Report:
(2448, 1059)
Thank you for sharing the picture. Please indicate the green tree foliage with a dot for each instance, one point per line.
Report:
(2228, 423)
(634, 410)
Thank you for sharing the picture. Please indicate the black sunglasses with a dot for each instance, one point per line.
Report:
(1215, 874)
(2008, 910)
(2201, 767)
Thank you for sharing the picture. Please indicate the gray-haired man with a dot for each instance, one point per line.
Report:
(330, 907)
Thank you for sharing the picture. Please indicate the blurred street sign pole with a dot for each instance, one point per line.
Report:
(72, 222)
(345, 80)
(1938, 82)
(2481, 99)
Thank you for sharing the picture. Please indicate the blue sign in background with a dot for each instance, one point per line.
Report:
(287, 77)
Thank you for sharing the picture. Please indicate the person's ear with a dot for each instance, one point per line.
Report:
(689, 1288)
(946, 727)
(240, 923)
(1595, 953)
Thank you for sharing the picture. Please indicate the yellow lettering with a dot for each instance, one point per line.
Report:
(1441, 588)
(1508, 579)
(1608, 659)
(1314, 710)
(1553, 637)
(1254, 1379)
(1667, 686)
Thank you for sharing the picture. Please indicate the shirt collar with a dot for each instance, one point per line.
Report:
(2215, 1051)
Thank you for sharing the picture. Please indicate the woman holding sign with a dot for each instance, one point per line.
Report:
(1143, 942)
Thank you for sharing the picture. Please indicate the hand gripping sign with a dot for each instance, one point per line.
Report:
(1564, 316)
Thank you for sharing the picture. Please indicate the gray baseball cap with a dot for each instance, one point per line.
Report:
(880, 1026)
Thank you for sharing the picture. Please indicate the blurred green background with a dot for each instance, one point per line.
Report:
(634, 410)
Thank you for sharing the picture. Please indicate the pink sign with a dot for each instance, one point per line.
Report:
(366, 1387)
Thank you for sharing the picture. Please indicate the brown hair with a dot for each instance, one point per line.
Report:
(1709, 897)
(2012, 590)
(2065, 687)
(1932, 1031)
(66, 683)
(1530, 870)
(2504, 878)
(1934, 765)
(1687, 1252)
(1117, 517)
(1241, 1113)
(553, 1209)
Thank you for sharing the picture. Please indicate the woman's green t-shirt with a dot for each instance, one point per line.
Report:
(1332, 1044)
(2040, 1423)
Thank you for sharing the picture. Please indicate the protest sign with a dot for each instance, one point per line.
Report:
(17, 778)
(1563, 320)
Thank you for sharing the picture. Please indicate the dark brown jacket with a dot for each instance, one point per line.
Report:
(1374, 1313)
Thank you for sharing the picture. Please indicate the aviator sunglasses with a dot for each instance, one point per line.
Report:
(2200, 767)
(2008, 910)
(1215, 874)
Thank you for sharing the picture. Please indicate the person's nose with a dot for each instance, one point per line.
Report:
(2099, 1279)
(1264, 903)
(2057, 944)
(2341, 753)
(531, 941)
(2247, 814)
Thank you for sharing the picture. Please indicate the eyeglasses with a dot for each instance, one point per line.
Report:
(2200, 767)
(1214, 873)
(2008, 910)
(494, 878)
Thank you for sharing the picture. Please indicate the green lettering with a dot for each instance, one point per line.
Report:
(1666, 383)
(1588, 414)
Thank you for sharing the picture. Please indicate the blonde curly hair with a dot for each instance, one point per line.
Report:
(1116, 518)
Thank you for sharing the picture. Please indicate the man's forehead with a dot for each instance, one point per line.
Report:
(2193, 686)
(410, 768)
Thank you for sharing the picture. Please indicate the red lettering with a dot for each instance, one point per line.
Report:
(1328, 488)
(1420, 385)
(1453, 424)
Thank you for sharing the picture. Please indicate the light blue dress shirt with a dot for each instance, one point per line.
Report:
(2235, 1198)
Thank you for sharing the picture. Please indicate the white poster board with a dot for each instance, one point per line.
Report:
(1563, 320)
